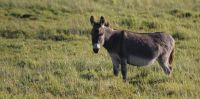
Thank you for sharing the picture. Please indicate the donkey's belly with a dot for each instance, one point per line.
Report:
(139, 61)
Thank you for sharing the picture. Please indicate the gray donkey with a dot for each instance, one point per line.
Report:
(133, 48)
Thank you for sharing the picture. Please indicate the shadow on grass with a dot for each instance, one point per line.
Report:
(13, 34)
(143, 81)
(95, 75)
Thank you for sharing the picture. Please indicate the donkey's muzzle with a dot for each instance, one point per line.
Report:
(95, 50)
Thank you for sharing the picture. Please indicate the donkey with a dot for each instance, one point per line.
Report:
(138, 49)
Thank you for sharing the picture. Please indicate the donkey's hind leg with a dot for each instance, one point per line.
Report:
(164, 63)
(123, 69)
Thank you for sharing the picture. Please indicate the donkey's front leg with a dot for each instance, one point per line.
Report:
(115, 66)
(123, 69)
(116, 69)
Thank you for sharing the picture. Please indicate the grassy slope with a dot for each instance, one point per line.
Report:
(48, 54)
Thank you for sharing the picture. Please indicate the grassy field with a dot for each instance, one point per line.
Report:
(46, 52)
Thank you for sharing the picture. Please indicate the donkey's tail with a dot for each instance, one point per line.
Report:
(171, 57)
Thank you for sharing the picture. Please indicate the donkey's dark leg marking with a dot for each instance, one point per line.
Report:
(171, 59)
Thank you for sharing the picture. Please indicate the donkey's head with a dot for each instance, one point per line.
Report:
(97, 33)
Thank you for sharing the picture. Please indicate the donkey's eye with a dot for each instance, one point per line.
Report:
(100, 34)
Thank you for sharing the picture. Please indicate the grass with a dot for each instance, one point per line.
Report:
(45, 49)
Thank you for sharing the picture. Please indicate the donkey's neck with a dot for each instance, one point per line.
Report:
(108, 32)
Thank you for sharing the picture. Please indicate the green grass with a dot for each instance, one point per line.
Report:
(46, 52)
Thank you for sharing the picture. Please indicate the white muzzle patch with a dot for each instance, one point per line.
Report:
(96, 46)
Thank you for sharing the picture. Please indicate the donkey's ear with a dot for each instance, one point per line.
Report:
(92, 20)
(107, 24)
(102, 20)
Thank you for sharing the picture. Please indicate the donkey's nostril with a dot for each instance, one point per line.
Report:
(96, 50)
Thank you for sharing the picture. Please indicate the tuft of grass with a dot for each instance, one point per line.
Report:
(129, 22)
(13, 34)
(149, 25)
(181, 14)
(181, 36)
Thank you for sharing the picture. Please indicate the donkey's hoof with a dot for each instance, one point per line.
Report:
(168, 72)
(125, 81)
(170, 67)
(116, 74)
